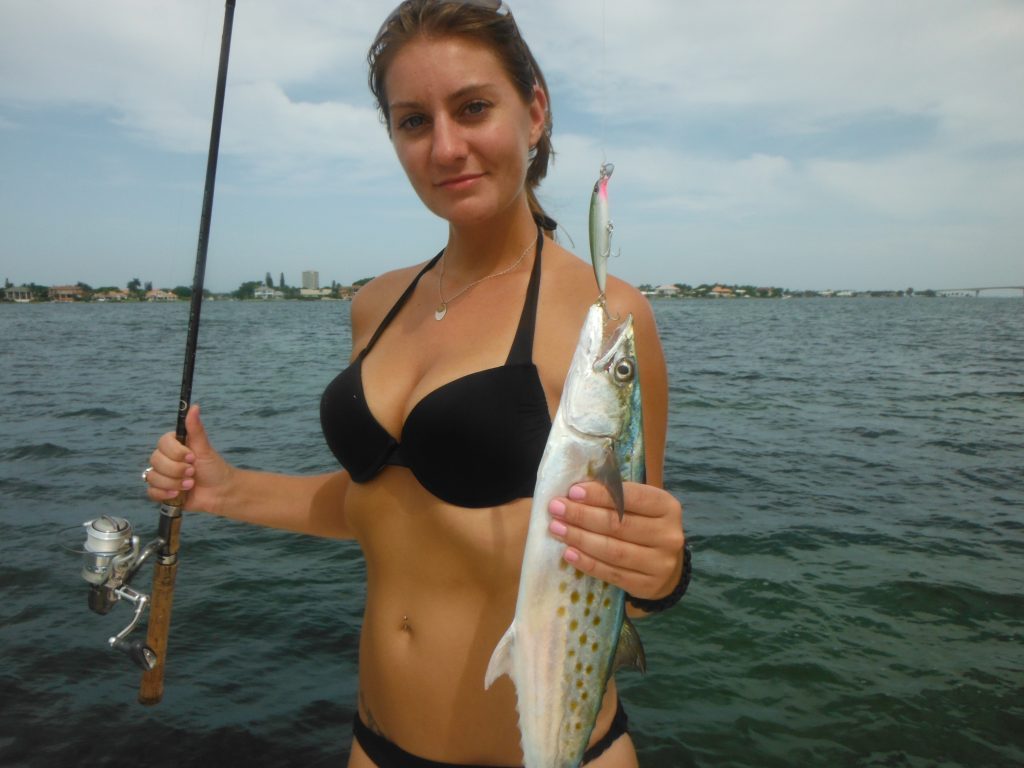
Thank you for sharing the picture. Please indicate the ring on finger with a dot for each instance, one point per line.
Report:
(145, 474)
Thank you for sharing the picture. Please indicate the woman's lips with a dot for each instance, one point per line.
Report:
(459, 182)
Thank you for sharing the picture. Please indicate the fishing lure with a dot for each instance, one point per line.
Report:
(601, 228)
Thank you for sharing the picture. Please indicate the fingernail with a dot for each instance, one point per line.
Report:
(557, 528)
(190, 471)
(572, 555)
(187, 483)
(557, 508)
(576, 493)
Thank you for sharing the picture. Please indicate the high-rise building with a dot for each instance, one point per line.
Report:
(311, 280)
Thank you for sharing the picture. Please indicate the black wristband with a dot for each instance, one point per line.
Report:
(673, 597)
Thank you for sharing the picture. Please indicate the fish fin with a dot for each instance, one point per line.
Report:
(608, 474)
(501, 659)
(630, 652)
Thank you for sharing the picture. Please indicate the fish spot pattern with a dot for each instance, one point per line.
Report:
(585, 615)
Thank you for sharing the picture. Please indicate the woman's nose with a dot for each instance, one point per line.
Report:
(449, 144)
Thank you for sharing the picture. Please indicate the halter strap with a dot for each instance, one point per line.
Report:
(399, 304)
(522, 345)
(521, 351)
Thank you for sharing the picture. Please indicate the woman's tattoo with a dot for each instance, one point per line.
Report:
(371, 723)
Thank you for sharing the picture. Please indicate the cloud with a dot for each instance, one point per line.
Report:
(801, 62)
(922, 186)
(796, 126)
(793, 68)
(152, 67)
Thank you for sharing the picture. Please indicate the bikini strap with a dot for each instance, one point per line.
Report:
(398, 305)
(521, 352)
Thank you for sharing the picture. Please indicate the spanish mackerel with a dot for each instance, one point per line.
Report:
(564, 641)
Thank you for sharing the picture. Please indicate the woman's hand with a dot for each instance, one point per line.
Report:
(642, 553)
(195, 468)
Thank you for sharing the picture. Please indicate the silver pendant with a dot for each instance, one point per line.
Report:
(441, 311)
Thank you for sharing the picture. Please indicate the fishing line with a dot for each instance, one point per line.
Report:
(604, 81)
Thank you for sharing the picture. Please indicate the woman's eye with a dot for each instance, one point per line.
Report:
(476, 108)
(411, 122)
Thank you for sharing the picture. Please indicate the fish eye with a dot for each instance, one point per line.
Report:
(624, 370)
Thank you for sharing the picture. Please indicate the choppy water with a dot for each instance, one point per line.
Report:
(852, 475)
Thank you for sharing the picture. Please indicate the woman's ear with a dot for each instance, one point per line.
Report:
(538, 115)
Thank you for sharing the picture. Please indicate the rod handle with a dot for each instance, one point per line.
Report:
(165, 571)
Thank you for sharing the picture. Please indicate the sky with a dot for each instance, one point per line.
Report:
(805, 144)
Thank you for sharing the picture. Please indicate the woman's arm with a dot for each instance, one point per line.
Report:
(313, 505)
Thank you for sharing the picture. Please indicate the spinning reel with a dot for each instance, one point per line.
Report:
(111, 558)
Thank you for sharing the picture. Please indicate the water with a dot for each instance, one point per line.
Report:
(851, 471)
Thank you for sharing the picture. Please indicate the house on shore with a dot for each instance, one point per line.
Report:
(314, 293)
(66, 293)
(21, 294)
(158, 295)
(110, 296)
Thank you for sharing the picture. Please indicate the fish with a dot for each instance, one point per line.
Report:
(601, 227)
(570, 630)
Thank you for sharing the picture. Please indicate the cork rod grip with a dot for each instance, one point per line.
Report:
(165, 571)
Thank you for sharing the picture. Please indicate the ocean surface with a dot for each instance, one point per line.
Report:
(853, 477)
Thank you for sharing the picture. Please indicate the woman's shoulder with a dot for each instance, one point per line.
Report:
(372, 302)
(573, 276)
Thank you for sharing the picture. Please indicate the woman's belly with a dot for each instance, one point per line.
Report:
(441, 591)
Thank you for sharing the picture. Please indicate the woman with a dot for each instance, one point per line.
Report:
(440, 419)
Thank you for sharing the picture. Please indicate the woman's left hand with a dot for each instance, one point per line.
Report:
(642, 553)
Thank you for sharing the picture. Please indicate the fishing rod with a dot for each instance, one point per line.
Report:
(113, 555)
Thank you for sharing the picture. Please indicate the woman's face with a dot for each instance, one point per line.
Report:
(461, 129)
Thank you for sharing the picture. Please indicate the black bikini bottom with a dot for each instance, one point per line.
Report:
(386, 754)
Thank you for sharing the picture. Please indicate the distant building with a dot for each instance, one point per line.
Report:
(264, 292)
(111, 296)
(667, 290)
(722, 291)
(22, 294)
(311, 280)
(66, 293)
(314, 293)
(158, 295)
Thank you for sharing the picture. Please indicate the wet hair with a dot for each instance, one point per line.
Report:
(416, 19)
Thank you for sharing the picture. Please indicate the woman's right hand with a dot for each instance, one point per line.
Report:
(195, 468)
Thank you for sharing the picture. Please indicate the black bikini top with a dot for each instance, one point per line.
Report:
(476, 441)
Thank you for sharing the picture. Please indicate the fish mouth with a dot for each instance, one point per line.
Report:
(612, 343)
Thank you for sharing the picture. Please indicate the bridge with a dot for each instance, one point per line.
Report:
(977, 291)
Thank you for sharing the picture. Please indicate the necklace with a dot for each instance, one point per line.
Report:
(442, 308)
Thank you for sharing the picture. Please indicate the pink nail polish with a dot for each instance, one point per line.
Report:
(576, 493)
(572, 555)
(557, 508)
(558, 528)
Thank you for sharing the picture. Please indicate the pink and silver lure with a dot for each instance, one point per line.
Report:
(601, 228)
